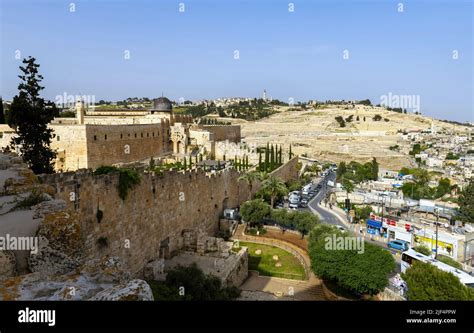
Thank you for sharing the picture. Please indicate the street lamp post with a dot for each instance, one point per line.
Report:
(388, 233)
(437, 219)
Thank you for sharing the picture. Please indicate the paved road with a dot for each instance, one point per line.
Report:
(326, 217)
(331, 217)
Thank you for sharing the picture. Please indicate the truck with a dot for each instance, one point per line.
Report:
(330, 183)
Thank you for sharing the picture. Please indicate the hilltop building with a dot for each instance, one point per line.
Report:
(97, 138)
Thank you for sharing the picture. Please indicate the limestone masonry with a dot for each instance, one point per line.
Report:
(98, 138)
(152, 221)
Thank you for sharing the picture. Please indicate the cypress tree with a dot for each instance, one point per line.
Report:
(280, 159)
(260, 161)
(29, 117)
(272, 158)
(290, 154)
(184, 164)
(267, 152)
(2, 115)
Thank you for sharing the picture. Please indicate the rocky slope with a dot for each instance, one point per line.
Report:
(52, 268)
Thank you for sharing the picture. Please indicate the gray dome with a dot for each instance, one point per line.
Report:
(162, 104)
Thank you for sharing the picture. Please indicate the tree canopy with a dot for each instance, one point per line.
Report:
(356, 172)
(250, 178)
(254, 211)
(273, 186)
(2, 114)
(29, 116)
(304, 222)
(348, 267)
(466, 203)
(428, 283)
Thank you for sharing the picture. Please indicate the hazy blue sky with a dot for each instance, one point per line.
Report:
(291, 54)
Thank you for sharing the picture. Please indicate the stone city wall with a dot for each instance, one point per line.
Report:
(108, 145)
(288, 170)
(152, 221)
(71, 146)
(224, 132)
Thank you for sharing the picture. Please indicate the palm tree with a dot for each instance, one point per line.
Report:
(250, 178)
(274, 186)
(262, 175)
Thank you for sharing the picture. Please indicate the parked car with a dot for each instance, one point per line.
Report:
(293, 205)
(398, 245)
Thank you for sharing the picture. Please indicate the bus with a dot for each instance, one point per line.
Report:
(409, 256)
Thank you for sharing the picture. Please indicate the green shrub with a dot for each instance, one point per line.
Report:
(197, 286)
(449, 261)
(253, 231)
(423, 250)
(105, 169)
(128, 178)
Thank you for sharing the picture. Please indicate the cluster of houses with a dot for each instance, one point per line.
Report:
(448, 152)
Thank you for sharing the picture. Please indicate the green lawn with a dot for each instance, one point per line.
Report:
(291, 268)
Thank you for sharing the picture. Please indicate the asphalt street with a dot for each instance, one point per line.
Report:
(326, 217)
(331, 217)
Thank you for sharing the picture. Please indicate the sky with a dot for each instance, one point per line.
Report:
(322, 50)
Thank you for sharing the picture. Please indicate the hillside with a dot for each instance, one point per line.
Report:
(315, 132)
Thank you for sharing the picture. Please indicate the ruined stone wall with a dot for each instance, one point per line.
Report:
(224, 132)
(108, 145)
(239, 272)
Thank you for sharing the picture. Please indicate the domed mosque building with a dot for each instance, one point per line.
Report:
(162, 104)
(105, 136)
